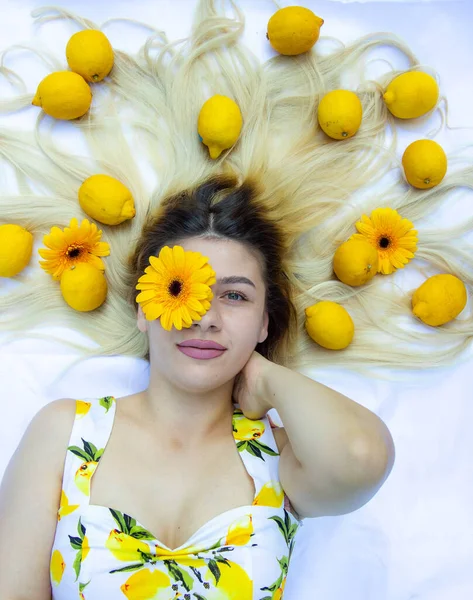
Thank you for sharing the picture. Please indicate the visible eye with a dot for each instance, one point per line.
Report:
(236, 294)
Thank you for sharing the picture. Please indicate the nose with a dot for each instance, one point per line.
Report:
(211, 320)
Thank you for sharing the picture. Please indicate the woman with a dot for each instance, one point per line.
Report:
(171, 459)
(183, 490)
(206, 517)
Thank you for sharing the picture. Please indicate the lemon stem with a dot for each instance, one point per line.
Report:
(388, 97)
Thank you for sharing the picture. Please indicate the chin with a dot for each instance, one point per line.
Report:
(201, 384)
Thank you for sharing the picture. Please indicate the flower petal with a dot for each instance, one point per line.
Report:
(364, 229)
(101, 249)
(363, 238)
(54, 239)
(197, 261)
(166, 257)
(199, 290)
(146, 295)
(406, 253)
(398, 260)
(196, 316)
(186, 317)
(47, 253)
(179, 258)
(157, 266)
(203, 275)
(152, 311)
(95, 261)
(166, 320)
(177, 319)
(151, 277)
(385, 266)
(194, 304)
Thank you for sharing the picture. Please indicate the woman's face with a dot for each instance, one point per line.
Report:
(237, 320)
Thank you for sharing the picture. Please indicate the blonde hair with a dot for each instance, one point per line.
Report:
(312, 187)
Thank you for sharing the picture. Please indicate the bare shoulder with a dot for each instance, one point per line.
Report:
(49, 430)
(64, 408)
(44, 442)
(52, 425)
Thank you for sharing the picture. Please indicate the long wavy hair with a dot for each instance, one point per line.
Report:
(301, 190)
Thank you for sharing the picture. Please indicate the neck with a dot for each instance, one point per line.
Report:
(195, 416)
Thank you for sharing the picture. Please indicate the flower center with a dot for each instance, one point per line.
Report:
(175, 288)
(73, 253)
(384, 242)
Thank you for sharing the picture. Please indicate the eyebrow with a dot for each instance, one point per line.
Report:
(235, 279)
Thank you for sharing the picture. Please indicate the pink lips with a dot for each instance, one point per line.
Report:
(201, 349)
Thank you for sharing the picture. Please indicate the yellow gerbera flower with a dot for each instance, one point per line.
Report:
(394, 237)
(176, 287)
(73, 245)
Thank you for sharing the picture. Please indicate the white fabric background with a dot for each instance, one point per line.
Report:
(414, 540)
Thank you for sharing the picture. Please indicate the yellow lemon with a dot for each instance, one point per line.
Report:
(247, 429)
(339, 114)
(355, 262)
(63, 95)
(439, 299)
(411, 94)
(144, 584)
(293, 30)
(85, 547)
(83, 475)
(424, 163)
(219, 124)
(57, 567)
(65, 508)
(106, 200)
(233, 583)
(82, 408)
(126, 547)
(240, 531)
(16, 247)
(271, 494)
(329, 325)
(84, 287)
(90, 54)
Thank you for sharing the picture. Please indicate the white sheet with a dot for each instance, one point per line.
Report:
(414, 540)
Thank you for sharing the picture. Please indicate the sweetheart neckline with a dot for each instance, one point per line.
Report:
(187, 542)
(236, 408)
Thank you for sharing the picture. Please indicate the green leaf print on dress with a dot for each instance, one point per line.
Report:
(107, 402)
(288, 530)
(82, 587)
(91, 456)
(81, 544)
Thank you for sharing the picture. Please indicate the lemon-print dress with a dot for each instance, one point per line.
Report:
(100, 553)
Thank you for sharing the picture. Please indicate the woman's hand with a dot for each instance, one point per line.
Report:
(249, 387)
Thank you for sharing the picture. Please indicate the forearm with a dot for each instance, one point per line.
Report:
(321, 422)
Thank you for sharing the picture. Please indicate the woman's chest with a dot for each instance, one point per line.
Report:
(170, 494)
